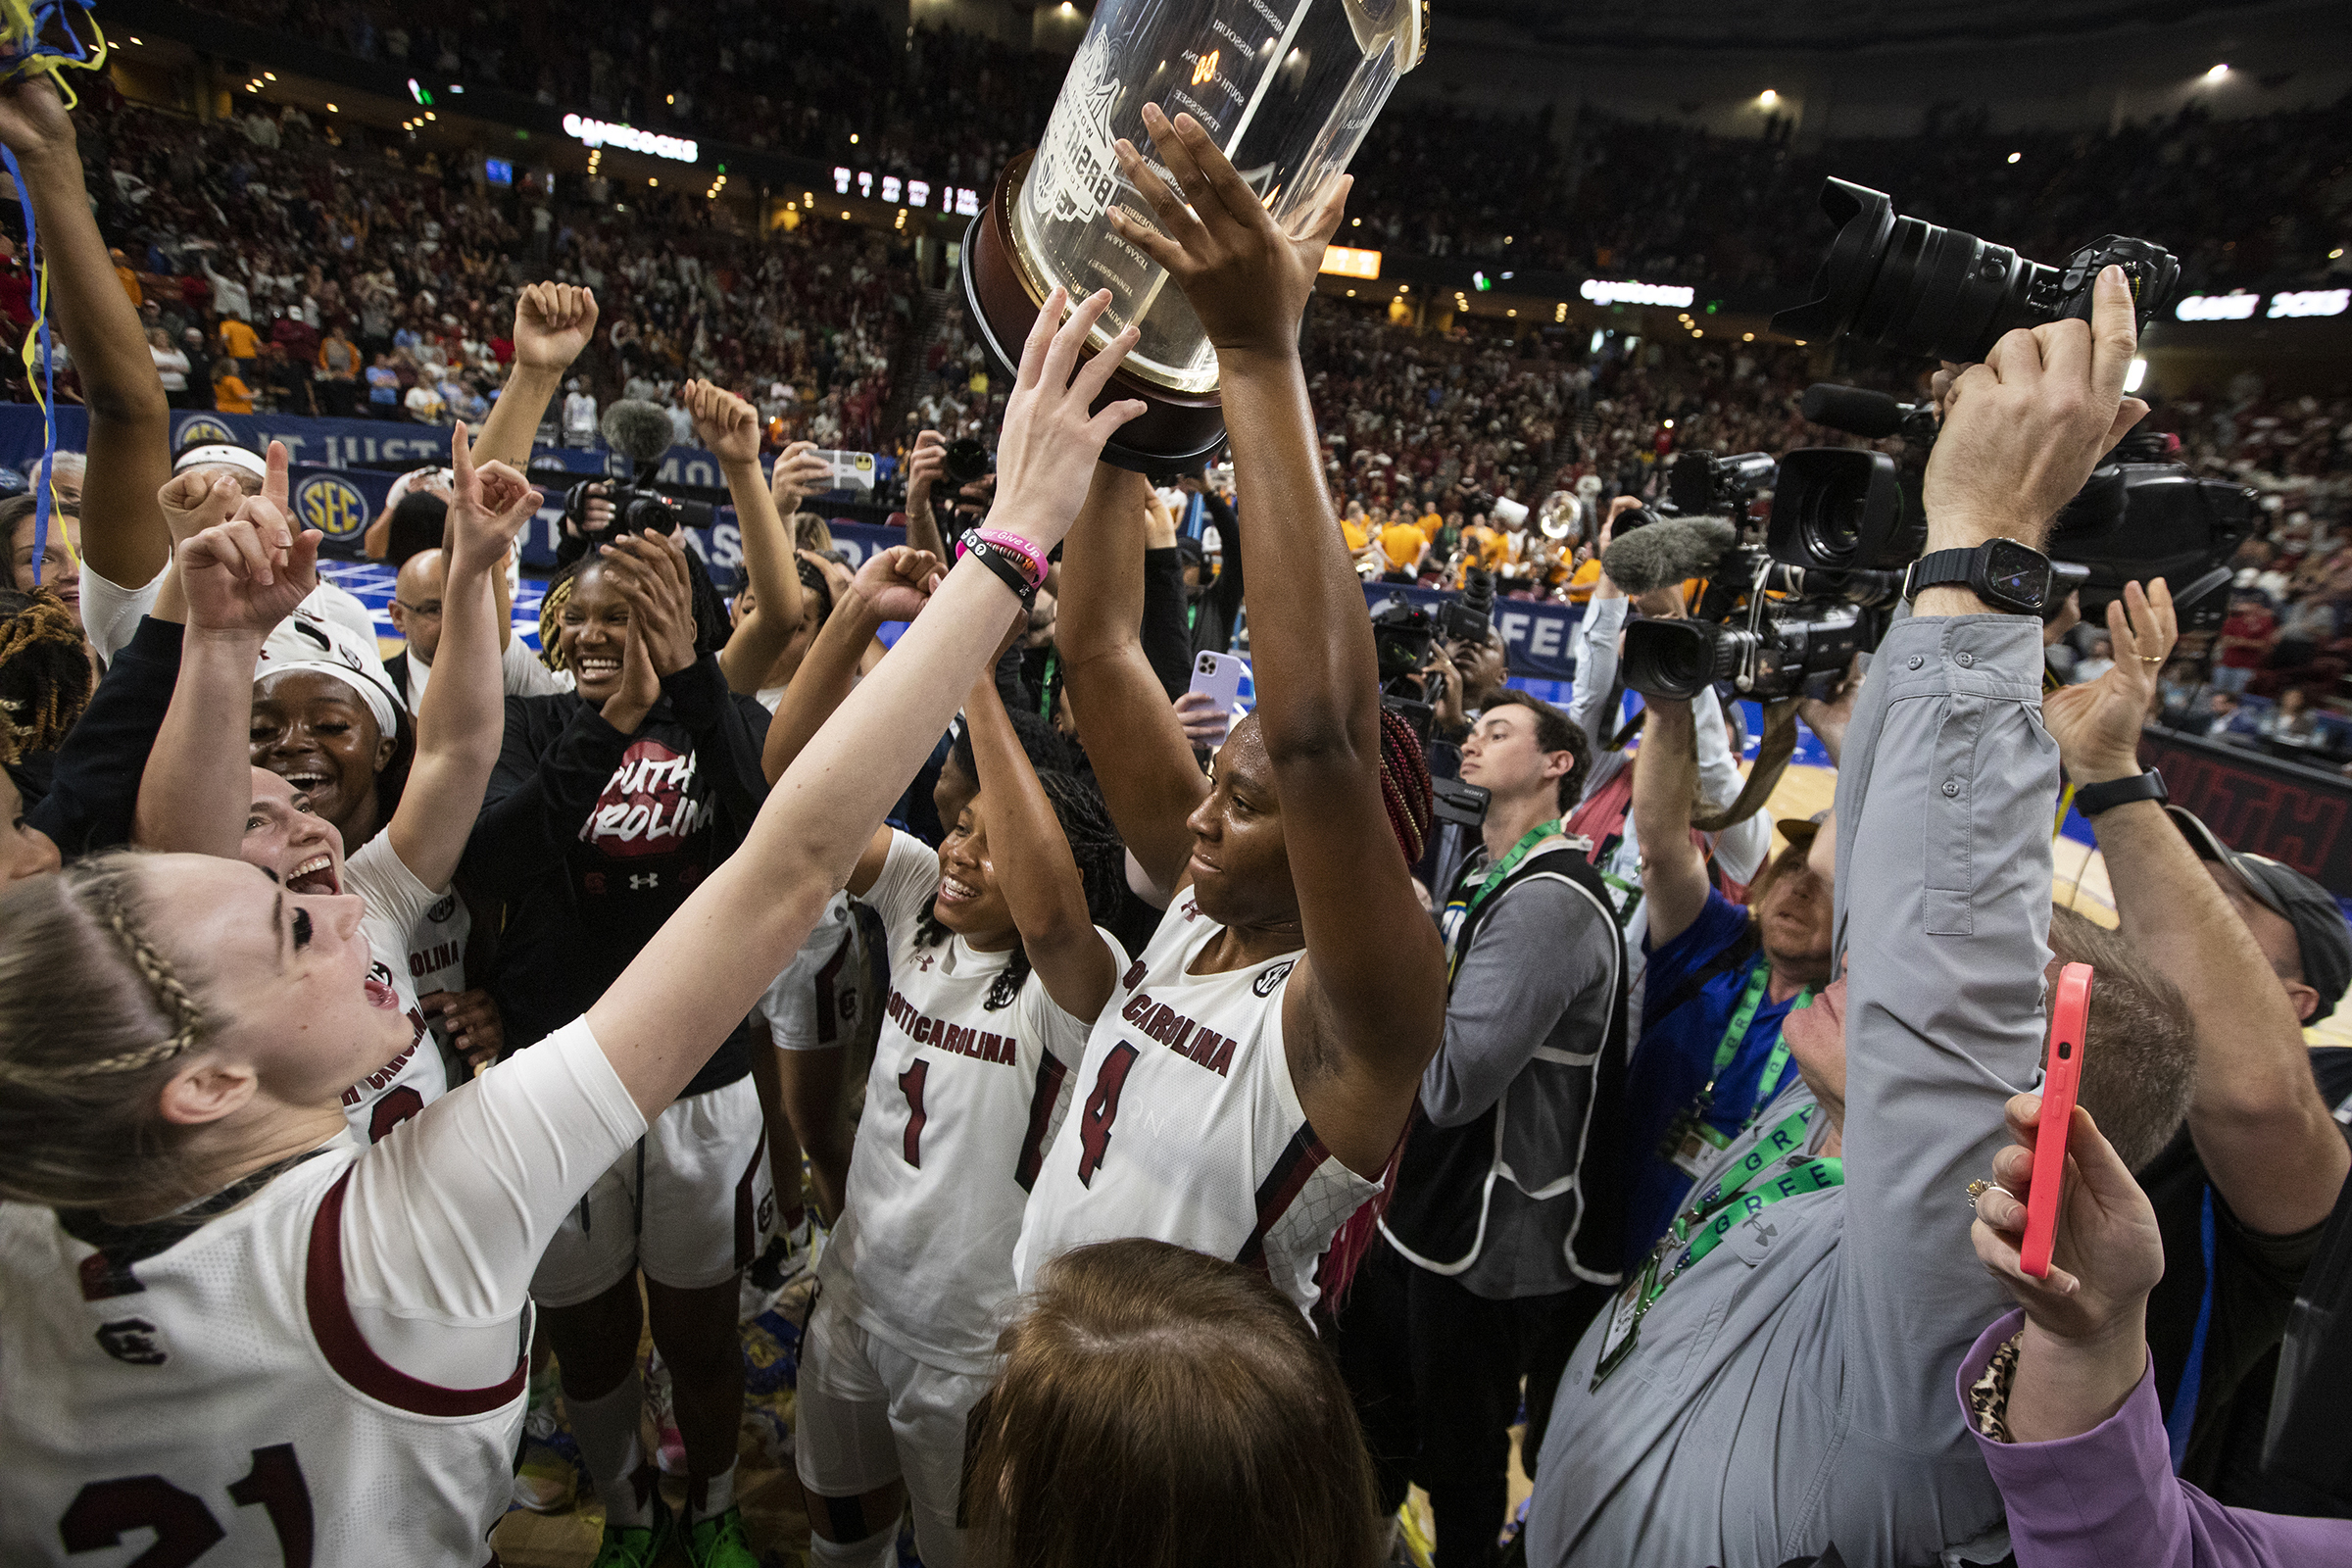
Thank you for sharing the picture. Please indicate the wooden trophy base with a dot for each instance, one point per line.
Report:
(1176, 431)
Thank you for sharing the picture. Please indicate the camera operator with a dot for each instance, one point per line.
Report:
(1776, 1376)
(1604, 816)
(2258, 951)
(1501, 1235)
(1462, 675)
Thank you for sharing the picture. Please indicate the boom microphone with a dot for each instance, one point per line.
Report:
(637, 429)
(1667, 552)
(1855, 410)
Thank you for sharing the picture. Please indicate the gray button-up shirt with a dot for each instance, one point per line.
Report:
(1793, 1388)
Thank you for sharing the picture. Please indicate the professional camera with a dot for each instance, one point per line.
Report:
(1401, 635)
(635, 509)
(966, 459)
(1701, 484)
(2140, 516)
(1468, 618)
(1912, 285)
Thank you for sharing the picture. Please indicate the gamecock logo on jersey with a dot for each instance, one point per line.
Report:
(133, 1339)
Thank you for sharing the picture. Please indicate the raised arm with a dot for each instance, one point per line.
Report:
(730, 428)
(1034, 865)
(1943, 869)
(553, 323)
(122, 534)
(925, 466)
(2260, 1125)
(1149, 780)
(880, 592)
(1372, 1011)
(1674, 874)
(702, 970)
(245, 570)
(462, 721)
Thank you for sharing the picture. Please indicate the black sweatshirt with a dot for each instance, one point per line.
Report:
(94, 790)
(595, 837)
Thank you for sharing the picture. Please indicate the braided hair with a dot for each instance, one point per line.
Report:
(94, 1020)
(1405, 787)
(1102, 869)
(45, 677)
(710, 627)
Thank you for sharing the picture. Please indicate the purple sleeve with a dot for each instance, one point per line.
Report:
(2110, 1496)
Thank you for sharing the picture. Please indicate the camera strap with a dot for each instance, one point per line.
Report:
(1773, 750)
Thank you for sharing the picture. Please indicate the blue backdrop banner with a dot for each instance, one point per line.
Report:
(1541, 638)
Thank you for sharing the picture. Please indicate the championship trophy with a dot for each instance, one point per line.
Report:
(1286, 87)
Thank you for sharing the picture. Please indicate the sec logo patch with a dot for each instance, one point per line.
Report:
(1266, 983)
(332, 505)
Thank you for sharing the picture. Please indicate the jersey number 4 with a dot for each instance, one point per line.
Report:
(103, 1512)
(1102, 1110)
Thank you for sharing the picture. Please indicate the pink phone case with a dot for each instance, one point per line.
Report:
(2061, 1076)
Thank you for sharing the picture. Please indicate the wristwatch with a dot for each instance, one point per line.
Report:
(2093, 799)
(2002, 572)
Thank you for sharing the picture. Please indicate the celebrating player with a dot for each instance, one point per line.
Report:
(1241, 1097)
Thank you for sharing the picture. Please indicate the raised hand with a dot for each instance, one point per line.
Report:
(487, 508)
(246, 574)
(34, 122)
(1205, 722)
(897, 582)
(553, 323)
(2023, 431)
(2096, 725)
(1047, 447)
(2109, 1253)
(800, 474)
(723, 422)
(640, 683)
(649, 570)
(926, 463)
(1247, 279)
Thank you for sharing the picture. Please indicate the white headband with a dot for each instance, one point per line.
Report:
(237, 457)
(309, 643)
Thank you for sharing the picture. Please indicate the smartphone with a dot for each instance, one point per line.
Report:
(851, 470)
(1220, 676)
(2061, 1077)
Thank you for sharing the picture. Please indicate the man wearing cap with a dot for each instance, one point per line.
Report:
(2242, 1193)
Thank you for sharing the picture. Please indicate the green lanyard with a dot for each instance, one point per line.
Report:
(1730, 1199)
(1044, 687)
(1767, 1081)
(1493, 879)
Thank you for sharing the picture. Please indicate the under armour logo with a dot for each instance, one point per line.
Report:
(640, 881)
(132, 1340)
(1266, 983)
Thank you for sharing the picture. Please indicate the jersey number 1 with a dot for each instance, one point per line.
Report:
(1102, 1110)
(103, 1512)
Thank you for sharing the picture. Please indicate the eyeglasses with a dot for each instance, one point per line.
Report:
(431, 611)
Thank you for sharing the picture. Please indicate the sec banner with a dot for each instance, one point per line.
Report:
(332, 505)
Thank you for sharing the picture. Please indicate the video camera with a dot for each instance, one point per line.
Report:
(1845, 523)
(636, 509)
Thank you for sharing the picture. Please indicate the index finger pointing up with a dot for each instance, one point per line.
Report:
(2114, 335)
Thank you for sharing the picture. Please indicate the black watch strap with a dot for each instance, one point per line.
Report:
(1937, 570)
(2093, 799)
(1014, 574)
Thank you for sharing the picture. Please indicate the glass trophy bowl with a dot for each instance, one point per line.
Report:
(1286, 87)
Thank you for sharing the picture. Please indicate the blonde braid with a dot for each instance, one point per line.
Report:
(551, 620)
(164, 985)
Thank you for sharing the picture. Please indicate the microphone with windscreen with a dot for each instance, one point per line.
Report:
(1857, 411)
(639, 431)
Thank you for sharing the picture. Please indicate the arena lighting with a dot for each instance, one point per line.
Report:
(1610, 291)
(2137, 373)
(2309, 302)
(2014, 157)
(599, 133)
(2216, 73)
(1342, 261)
(422, 95)
(1768, 97)
(2216, 307)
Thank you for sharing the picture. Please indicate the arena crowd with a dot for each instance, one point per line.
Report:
(391, 1047)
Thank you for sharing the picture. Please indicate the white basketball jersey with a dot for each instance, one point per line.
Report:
(1186, 1126)
(960, 1104)
(417, 1077)
(177, 1394)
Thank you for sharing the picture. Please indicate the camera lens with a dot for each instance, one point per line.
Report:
(1841, 508)
(1917, 286)
(1679, 657)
